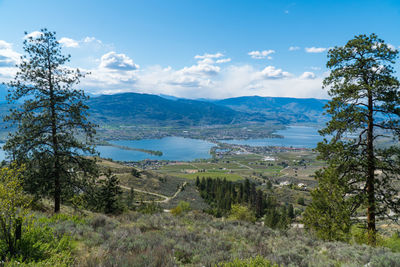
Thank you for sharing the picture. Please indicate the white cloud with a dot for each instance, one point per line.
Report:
(8, 57)
(216, 55)
(294, 48)
(89, 39)
(224, 60)
(5, 45)
(315, 49)
(270, 72)
(200, 69)
(115, 61)
(68, 42)
(391, 47)
(308, 75)
(315, 68)
(34, 35)
(261, 54)
(205, 79)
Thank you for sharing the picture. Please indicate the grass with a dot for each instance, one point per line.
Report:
(198, 239)
(214, 175)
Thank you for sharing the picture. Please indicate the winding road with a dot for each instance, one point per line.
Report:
(165, 198)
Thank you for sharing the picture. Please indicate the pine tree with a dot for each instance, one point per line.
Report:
(259, 204)
(50, 119)
(366, 103)
(328, 215)
(110, 194)
(246, 191)
(130, 199)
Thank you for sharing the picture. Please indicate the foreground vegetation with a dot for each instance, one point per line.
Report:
(191, 238)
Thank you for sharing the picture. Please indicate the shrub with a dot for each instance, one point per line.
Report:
(39, 245)
(242, 213)
(149, 208)
(301, 201)
(252, 262)
(13, 205)
(393, 242)
(182, 207)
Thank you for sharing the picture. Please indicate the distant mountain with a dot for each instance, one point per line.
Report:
(153, 110)
(146, 109)
(285, 108)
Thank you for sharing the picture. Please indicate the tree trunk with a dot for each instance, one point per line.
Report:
(57, 183)
(370, 183)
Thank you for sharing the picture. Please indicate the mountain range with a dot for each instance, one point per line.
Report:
(146, 109)
(163, 110)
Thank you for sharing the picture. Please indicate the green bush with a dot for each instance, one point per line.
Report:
(392, 242)
(182, 207)
(40, 246)
(149, 208)
(252, 262)
(242, 213)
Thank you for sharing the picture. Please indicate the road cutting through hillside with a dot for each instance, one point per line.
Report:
(165, 198)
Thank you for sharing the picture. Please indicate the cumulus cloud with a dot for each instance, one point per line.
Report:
(294, 48)
(315, 49)
(308, 75)
(34, 35)
(270, 72)
(216, 55)
(5, 45)
(200, 69)
(8, 57)
(261, 54)
(88, 39)
(115, 61)
(68, 42)
(224, 60)
(205, 79)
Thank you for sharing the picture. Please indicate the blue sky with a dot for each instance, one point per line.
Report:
(193, 49)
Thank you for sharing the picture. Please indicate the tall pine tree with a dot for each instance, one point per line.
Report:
(366, 103)
(50, 120)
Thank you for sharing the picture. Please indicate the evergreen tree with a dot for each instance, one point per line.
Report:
(291, 211)
(110, 193)
(259, 204)
(130, 199)
(246, 190)
(328, 215)
(50, 119)
(366, 103)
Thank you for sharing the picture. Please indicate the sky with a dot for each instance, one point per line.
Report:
(198, 48)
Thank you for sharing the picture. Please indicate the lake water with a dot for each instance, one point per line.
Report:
(294, 136)
(173, 148)
(186, 149)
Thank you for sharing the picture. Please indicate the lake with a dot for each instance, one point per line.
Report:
(186, 149)
(173, 148)
(294, 136)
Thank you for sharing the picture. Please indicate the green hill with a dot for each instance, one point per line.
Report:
(145, 109)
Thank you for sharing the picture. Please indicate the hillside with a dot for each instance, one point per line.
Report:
(145, 109)
(290, 109)
(161, 111)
